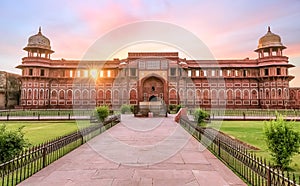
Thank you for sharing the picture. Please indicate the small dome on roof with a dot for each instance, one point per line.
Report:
(38, 41)
(270, 40)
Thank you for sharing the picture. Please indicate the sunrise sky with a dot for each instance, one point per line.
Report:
(229, 28)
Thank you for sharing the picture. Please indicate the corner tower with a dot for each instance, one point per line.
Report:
(273, 72)
(39, 46)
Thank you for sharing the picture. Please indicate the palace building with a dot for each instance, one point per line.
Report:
(158, 76)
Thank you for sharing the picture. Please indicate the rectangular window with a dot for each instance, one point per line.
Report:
(189, 73)
(197, 73)
(108, 73)
(228, 72)
(101, 73)
(142, 65)
(132, 72)
(278, 71)
(220, 72)
(78, 73)
(153, 65)
(244, 73)
(212, 72)
(71, 73)
(42, 72)
(164, 64)
(180, 71)
(204, 73)
(86, 73)
(172, 71)
(266, 72)
(30, 72)
(236, 73)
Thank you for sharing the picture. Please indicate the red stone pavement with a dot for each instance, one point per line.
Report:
(138, 151)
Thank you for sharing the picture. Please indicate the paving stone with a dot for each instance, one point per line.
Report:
(128, 154)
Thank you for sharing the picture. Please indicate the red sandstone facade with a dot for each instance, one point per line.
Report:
(245, 83)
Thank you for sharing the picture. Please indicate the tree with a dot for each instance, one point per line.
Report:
(200, 115)
(282, 140)
(102, 112)
(125, 109)
(11, 143)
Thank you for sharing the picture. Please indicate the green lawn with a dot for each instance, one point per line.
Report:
(251, 132)
(40, 131)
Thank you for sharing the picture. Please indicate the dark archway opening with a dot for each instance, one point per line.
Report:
(153, 98)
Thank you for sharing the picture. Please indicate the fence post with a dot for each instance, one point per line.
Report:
(219, 149)
(7, 117)
(44, 156)
(69, 116)
(268, 176)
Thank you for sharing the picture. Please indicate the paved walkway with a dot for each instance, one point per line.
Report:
(138, 151)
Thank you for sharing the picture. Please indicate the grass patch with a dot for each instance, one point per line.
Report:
(251, 132)
(38, 132)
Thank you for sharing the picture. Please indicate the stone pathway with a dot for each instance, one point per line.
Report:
(138, 151)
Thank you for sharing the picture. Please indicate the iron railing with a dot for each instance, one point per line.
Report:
(37, 157)
(254, 170)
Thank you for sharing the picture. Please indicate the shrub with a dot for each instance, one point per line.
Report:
(11, 143)
(102, 112)
(125, 108)
(178, 107)
(282, 140)
(200, 115)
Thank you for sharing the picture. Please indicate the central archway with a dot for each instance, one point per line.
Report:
(152, 89)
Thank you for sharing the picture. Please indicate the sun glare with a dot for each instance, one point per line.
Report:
(93, 73)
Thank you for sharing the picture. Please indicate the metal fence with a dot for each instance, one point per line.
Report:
(253, 169)
(35, 158)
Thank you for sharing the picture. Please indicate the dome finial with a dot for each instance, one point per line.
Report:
(40, 29)
(269, 29)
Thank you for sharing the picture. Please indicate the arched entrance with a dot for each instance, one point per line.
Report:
(153, 89)
(153, 95)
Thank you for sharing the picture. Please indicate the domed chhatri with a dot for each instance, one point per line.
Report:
(38, 41)
(270, 40)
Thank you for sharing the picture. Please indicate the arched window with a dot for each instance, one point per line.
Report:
(77, 94)
(238, 94)
(116, 95)
(69, 94)
(53, 94)
(273, 93)
(246, 94)
(181, 94)
(222, 94)
(41, 94)
(47, 94)
(85, 94)
(100, 94)
(206, 94)
(198, 94)
(172, 94)
(279, 93)
(229, 94)
(125, 94)
(108, 95)
(61, 94)
(36, 96)
(267, 94)
(190, 95)
(254, 94)
(93, 94)
(214, 94)
(132, 94)
(29, 95)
